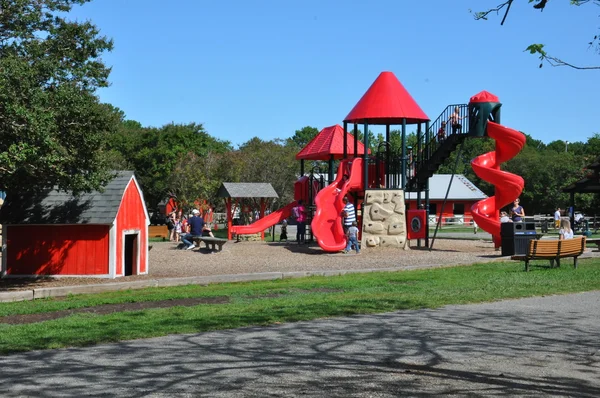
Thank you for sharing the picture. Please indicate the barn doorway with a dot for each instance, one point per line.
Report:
(131, 254)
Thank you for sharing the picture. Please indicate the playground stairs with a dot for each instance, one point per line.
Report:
(435, 152)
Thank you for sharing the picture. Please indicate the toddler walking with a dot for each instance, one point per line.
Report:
(283, 235)
(352, 234)
(177, 229)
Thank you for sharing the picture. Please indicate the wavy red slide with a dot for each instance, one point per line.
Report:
(266, 222)
(327, 222)
(509, 143)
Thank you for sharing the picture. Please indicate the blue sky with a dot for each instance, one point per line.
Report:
(269, 67)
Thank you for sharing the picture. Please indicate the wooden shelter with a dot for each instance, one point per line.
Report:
(232, 192)
(100, 234)
(588, 184)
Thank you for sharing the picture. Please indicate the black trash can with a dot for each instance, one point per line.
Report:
(515, 237)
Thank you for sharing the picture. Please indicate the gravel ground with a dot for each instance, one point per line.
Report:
(251, 257)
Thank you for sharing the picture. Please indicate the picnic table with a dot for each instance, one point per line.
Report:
(211, 243)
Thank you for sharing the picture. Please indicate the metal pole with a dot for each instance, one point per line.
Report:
(403, 177)
(345, 142)
(416, 183)
(330, 172)
(387, 156)
(366, 156)
(426, 187)
(356, 154)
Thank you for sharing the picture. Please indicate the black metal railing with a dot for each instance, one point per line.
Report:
(438, 141)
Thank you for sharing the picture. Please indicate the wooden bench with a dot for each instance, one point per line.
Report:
(208, 241)
(553, 250)
(158, 231)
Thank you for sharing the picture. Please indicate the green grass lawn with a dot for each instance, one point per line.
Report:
(266, 303)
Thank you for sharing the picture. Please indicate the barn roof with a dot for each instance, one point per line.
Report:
(462, 188)
(386, 102)
(330, 141)
(247, 190)
(59, 207)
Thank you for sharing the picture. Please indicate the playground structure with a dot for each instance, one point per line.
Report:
(389, 176)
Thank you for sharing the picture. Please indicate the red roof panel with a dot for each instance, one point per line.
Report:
(484, 96)
(386, 102)
(329, 141)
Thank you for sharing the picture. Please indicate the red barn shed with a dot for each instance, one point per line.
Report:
(100, 234)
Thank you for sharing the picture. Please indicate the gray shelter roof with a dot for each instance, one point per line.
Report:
(247, 190)
(59, 207)
(462, 188)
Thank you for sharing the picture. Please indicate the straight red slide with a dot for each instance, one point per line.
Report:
(266, 222)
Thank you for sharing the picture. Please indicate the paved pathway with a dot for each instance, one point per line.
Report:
(532, 347)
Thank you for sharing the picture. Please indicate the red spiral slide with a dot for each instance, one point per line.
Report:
(508, 186)
(327, 222)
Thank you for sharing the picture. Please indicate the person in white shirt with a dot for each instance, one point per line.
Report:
(557, 218)
(504, 217)
(565, 231)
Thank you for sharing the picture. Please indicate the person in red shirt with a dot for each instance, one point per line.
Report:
(441, 134)
(301, 220)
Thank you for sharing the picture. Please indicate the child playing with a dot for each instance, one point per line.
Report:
(177, 229)
(352, 234)
(283, 231)
(206, 231)
(441, 134)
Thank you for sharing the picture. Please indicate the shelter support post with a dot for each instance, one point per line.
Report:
(572, 215)
(229, 217)
(262, 215)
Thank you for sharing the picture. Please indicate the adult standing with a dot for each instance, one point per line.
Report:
(171, 218)
(301, 222)
(195, 226)
(348, 214)
(517, 212)
(557, 218)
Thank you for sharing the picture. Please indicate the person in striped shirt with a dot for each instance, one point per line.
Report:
(348, 214)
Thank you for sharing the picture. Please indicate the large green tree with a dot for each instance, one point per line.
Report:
(271, 161)
(304, 136)
(52, 125)
(538, 48)
(155, 154)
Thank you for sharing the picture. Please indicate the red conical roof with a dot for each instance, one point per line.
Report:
(386, 102)
(484, 96)
(330, 141)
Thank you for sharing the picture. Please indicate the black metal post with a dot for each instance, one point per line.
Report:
(403, 171)
(387, 155)
(366, 156)
(345, 142)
